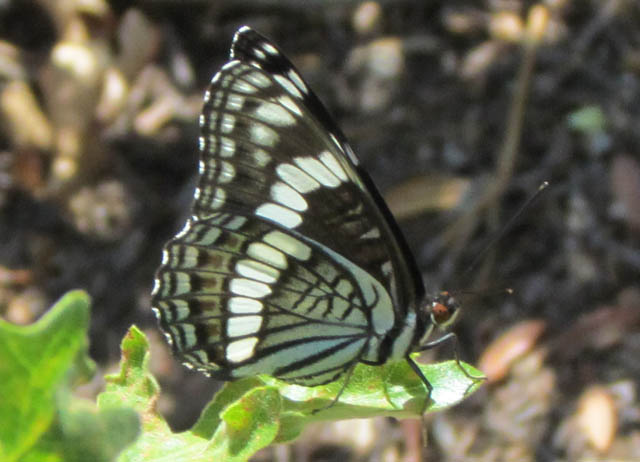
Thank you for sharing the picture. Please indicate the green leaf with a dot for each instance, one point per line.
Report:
(248, 425)
(34, 361)
(211, 417)
(250, 414)
(234, 430)
(83, 433)
(389, 390)
(136, 387)
(40, 420)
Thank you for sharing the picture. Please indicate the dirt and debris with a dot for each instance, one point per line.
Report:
(461, 108)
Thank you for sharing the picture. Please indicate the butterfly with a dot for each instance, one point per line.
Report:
(291, 264)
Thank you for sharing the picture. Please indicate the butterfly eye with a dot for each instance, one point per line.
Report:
(441, 313)
(444, 310)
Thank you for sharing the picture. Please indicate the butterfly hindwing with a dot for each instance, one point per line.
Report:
(240, 297)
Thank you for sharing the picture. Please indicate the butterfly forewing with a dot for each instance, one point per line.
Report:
(290, 264)
(269, 147)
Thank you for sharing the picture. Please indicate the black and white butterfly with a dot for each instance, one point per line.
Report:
(291, 264)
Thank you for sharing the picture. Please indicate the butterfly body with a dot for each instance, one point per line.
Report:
(291, 264)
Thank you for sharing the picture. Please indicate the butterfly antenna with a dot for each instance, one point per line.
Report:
(488, 292)
(506, 228)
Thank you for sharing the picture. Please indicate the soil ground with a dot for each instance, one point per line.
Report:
(458, 110)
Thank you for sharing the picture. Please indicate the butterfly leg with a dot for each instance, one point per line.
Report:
(427, 384)
(424, 379)
(454, 338)
(342, 388)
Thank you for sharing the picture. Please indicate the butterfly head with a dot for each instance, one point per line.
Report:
(443, 310)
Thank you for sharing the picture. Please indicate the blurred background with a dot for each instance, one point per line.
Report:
(458, 109)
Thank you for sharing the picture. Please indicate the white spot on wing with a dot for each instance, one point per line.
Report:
(227, 172)
(269, 48)
(212, 142)
(154, 291)
(210, 122)
(242, 349)
(296, 178)
(237, 326)
(235, 102)
(297, 80)
(227, 147)
(209, 238)
(279, 214)
(287, 196)
(217, 100)
(219, 198)
(230, 65)
(228, 122)
(225, 81)
(261, 157)
(258, 79)
(201, 165)
(249, 288)
(244, 305)
(290, 104)
(181, 311)
(236, 223)
(267, 254)
(189, 332)
(241, 86)
(373, 233)
(317, 170)
(155, 310)
(288, 244)
(259, 271)
(274, 114)
(185, 229)
(263, 135)
(165, 256)
(288, 85)
(329, 160)
(189, 258)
